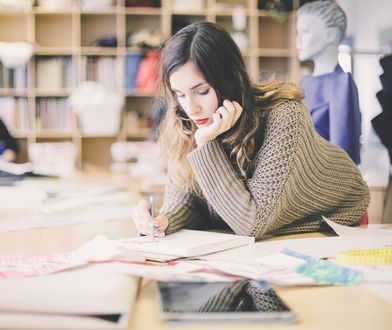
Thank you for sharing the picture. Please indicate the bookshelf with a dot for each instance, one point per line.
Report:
(64, 46)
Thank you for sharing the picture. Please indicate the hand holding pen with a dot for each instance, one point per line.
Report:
(152, 213)
(148, 220)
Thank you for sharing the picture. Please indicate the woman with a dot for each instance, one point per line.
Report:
(242, 156)
(9, 146)
(330, 93)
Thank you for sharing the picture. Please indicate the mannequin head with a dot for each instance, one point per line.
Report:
(321, 26)
(15, 54)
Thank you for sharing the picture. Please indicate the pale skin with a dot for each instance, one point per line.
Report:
(8, 156)
(200, 102)
(317, 42)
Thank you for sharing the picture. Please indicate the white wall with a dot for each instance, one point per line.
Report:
(365, 20)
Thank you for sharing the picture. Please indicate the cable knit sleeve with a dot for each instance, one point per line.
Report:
(183, 209)
(247, 206)
(298, 177)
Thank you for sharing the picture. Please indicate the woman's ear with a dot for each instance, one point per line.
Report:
(333, 36)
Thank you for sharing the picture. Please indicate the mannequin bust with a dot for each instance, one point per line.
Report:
(321, 27)
(330, 93)
(14, 54)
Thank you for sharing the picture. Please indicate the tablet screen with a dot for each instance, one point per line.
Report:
(241, 300)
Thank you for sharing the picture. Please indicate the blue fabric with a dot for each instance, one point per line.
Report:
(3, 147)
(332, 100)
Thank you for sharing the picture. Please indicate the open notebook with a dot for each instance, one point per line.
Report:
(184, 243)
(89, 298)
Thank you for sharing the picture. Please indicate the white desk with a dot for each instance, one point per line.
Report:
(317, 307)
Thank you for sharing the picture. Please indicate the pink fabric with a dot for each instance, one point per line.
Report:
(146, 80)
(364, 219)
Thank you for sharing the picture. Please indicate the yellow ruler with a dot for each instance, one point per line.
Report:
(371, 257)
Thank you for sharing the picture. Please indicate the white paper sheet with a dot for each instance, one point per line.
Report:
(38, 204)
(97, 213)
(186, 243)
(67, 300)
(384, 234)
(49, 197)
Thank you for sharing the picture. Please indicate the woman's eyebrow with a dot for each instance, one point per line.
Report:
(192, 88)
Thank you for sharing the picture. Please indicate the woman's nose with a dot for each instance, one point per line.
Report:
(192, 106)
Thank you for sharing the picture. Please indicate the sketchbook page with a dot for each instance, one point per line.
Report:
(33, 321)
(186, 243)
(341, 230)
(87, 291)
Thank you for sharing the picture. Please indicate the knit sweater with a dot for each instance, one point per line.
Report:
(298, 177)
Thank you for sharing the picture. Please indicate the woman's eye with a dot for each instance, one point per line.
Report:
(203, 92)
(179, 96)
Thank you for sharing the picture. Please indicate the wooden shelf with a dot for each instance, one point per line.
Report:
(43, 11)
(53, 51)
(143, 11)
(69, 35)
(139, 133)
(203, 12)
(110, 11)
(21, 134)
(99, 51)
(64, 92)
(53, 134)
(276, 52)
(14, 92)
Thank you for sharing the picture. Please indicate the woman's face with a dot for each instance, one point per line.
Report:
(312, 38)
(196, 97)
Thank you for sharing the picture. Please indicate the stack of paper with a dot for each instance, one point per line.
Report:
(184, 243)
(90, 298)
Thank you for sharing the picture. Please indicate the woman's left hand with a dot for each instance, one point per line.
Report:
(224, 118)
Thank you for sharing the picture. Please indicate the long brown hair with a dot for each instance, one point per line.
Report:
(220, 61)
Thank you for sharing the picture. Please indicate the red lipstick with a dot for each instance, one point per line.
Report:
(200, 121)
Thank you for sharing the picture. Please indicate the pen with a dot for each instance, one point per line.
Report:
(153, 216)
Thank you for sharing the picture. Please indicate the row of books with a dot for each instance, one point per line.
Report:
(14, 78)
(51, 114)
(54, 73)
(103, 69)
(15, 113)
(54, 114)
(140, 71)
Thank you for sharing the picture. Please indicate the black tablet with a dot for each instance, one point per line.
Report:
(245, 301)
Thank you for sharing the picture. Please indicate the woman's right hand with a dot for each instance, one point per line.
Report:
(144, 222)
(224, 119)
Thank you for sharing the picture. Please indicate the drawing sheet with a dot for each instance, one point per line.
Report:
(185, 243)
(79, 299)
